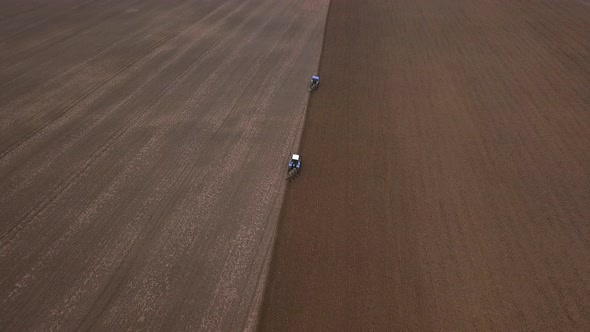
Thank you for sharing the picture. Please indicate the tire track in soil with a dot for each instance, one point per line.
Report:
(56, 92)
(126, 129)
(24, 63)
(22, 282)
(15, 72)
(52, 154)
(41, 22)
(15, 14)
(65, 184)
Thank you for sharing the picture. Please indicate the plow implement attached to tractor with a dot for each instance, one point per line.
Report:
(294, 166)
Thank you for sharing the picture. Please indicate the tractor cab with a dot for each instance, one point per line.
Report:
(315, 79)
(295, 162)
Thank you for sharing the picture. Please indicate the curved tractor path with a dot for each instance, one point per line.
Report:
(447, 172)
(143, 150)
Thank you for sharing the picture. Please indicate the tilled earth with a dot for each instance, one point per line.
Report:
(143, 149)
(446, 172)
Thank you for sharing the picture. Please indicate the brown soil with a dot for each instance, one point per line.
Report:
(446, 172)
(143, 151)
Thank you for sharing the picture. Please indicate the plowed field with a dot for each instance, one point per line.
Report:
(446, 179)
(143, 148)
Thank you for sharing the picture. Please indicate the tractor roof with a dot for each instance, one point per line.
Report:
(295, 157)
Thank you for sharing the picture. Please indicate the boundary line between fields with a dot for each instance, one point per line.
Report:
(270, 256)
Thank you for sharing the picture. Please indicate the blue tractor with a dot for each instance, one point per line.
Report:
(294, 166)
(315, 83)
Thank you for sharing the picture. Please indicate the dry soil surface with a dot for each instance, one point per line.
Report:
(143, 149)
(446, 179)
